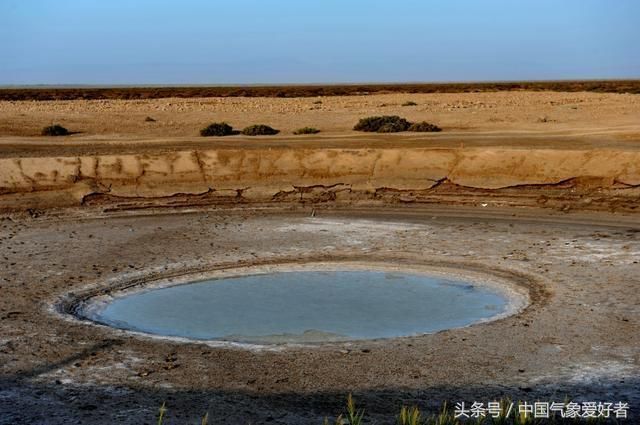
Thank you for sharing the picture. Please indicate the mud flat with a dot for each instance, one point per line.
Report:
(552, 212)
(578, 337)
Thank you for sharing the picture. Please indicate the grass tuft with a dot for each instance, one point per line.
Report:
(409, 416)
(161, 413)
(354, 416)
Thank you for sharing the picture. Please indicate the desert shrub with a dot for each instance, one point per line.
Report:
(218, 129)
(259, 130)
(409, 103)
(306, 130)
(55, 130)
(382, 124)
(392, 127)
(424, 127)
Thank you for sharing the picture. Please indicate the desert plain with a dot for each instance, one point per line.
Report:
(538, 188)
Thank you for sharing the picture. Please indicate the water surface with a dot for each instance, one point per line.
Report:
(305, 306)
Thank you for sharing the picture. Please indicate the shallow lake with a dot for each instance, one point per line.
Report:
(305, 307)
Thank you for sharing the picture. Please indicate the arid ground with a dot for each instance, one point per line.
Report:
(539, 188)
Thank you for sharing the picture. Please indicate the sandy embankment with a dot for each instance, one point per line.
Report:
(560, 150)
(329, 174)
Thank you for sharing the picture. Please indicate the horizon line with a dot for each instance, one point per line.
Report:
(346, 83)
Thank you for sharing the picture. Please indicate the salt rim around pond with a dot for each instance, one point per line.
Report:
(308, 303)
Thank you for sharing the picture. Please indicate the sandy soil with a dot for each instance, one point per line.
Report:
(519, 112)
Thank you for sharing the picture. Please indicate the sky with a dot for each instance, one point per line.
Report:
(102, 42)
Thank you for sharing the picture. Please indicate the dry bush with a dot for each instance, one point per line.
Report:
(424, 127)
(382, 124)
(259, 130)
(217, 129)
(55, 130)
(307, 130)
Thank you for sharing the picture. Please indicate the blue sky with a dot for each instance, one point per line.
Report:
(298, 41)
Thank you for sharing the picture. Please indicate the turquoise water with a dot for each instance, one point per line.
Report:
(306, 306)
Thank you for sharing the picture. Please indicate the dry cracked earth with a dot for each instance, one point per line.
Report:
(578, 338)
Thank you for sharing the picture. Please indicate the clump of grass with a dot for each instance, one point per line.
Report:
(409, 416)
(354, 416)
(307, 130)
(55, 130)
(382, 124)
(409, 103)
(424, 127)
(218, 129)
(161, 412)
(259, 130)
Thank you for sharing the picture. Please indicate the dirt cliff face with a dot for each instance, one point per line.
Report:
(263, 175)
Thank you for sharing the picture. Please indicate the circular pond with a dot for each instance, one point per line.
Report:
(305, 307)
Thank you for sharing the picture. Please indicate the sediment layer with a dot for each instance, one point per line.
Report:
(316, 175)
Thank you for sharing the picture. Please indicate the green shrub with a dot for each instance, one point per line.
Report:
(409, 103)
(306, 130)
(382, 124)
(424, 127)
(218, 129)
(259, 130)
(55, 130)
